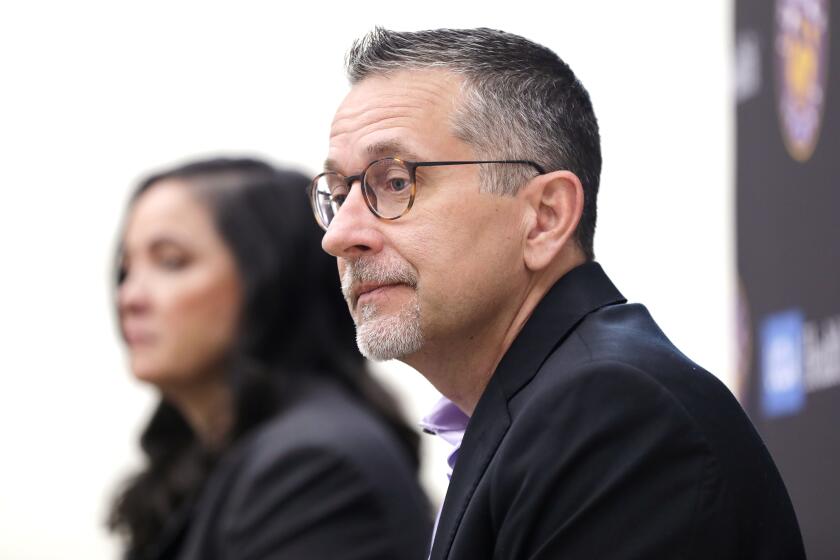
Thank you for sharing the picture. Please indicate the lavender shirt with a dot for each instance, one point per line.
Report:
(448, 422)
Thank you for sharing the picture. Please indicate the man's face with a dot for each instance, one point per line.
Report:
(439, 274)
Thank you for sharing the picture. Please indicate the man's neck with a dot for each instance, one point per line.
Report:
(460, 366)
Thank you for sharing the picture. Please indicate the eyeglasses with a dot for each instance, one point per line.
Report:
(388, 187)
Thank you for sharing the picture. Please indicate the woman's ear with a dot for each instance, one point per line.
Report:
(556, 203)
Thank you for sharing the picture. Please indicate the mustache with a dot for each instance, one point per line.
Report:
(372, 270)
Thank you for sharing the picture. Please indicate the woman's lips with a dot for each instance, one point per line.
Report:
(137, 337)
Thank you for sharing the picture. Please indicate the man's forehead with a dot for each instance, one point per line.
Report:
(394, 95)
(396, 114)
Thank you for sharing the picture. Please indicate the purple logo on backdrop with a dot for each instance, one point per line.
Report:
(781, 364)
(801, 66)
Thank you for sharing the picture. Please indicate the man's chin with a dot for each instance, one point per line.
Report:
(389, 337)
(372, 353)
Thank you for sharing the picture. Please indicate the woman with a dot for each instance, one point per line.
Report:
(270, 440)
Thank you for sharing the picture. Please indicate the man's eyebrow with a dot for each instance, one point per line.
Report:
(391, 148)
(330, 165)
(387, 148)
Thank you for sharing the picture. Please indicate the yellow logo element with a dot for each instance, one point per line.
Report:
(801, 68)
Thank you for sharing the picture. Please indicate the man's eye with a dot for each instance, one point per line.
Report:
(338, 199)
(397, 184)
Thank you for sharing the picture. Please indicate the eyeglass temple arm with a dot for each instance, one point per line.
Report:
(535, 165)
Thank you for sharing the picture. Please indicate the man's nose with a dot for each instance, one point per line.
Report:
(354, 231)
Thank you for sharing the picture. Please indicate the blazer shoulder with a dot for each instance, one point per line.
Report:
(625, 338)
(328, 422)
(618, 410)
(322, 478)
(323, 416)
(594, 391)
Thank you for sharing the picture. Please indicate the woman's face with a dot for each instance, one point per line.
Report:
(180, 298)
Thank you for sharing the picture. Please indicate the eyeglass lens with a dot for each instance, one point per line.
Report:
(386, 188)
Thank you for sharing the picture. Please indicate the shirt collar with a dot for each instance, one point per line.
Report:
(449, 423)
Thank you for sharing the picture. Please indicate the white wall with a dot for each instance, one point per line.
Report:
(94, 94)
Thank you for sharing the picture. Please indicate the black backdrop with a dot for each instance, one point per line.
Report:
(788, 248)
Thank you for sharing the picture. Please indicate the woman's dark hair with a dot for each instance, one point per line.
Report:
(294, 323)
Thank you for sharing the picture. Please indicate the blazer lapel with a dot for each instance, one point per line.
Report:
(484, 432)
(578, 293)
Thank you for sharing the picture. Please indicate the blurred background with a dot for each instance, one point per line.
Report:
(95, 94)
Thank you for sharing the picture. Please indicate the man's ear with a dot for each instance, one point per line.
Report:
(555, 201)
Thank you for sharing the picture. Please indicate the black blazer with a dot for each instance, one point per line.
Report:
(597, 439)
(322, 480)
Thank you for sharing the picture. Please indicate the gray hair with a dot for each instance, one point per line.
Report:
(519, 100)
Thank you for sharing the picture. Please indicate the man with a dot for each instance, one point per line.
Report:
(589, 435)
